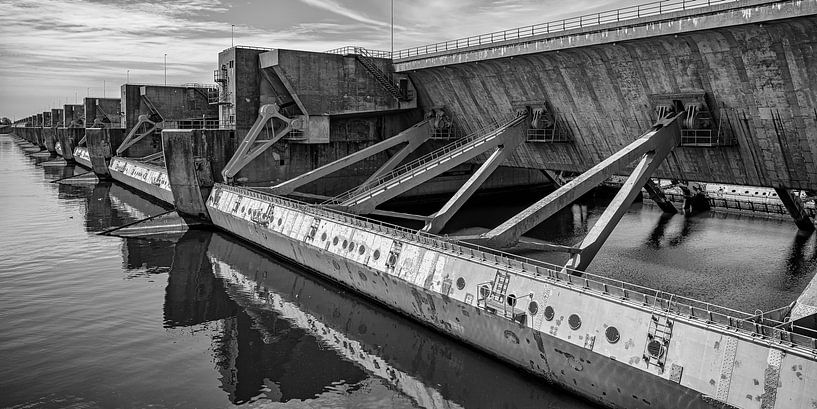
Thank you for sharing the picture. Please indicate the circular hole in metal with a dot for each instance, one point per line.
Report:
(574, 321)
(511, 300)
(655, 349)
(533, 307)
(392, 259)
(345, 243)
(323, 236)
(549, 313)
(361, 249)
(352, 246)
(612, 335)
(376, 254)
(460, 283)
(335, 241)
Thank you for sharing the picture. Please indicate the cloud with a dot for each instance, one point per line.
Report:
(54, 49)
(334, 7)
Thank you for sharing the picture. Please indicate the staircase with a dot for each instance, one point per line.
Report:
(431, 165)
(365, 58)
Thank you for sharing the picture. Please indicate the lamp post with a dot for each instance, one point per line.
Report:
(127, 77)
(165, 69)
(232, 35)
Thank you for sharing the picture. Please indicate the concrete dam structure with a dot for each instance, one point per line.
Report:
(691, 90)
(749, 66)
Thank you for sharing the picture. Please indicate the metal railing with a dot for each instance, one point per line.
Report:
(196, 124)
(549, 135)
(560, 26)
(492, 127)
(706, 314)
(349, 49)
(705, 138)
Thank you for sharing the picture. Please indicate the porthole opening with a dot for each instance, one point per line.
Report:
(345, 243)
(323, 236)
(352, 246)
(574, 321)
(533, 307)
(361, 249)
(460, 283)
(376, 254)
(511, 300)
(549, 313)
(612, 335)
(335, 241)
(484, 291)
(280, 221)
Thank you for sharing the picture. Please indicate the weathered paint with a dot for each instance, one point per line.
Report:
(144, 177)
(436, 283)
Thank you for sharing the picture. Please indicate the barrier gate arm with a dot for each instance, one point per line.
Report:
(650, 150)
(251, 147)
(133, 137)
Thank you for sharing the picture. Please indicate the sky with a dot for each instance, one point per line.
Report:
(55, 52)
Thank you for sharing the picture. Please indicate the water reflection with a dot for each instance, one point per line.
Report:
(298, 337)
(661, 237)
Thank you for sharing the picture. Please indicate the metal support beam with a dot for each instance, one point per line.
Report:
(414, 136)
(251, 147)
(365, 199)
(664, 136)
(608, 221)
(795, 207)
(498, 156)
(657, 196)
(413, 144)
(133, 137)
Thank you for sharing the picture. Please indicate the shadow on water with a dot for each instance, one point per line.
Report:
(288, 335)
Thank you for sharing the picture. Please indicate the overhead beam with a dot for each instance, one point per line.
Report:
(415, 136)
(666, 132)
(133, 137)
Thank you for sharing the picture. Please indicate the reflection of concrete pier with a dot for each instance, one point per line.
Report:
(428, 368)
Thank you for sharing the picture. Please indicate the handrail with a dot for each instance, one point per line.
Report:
(349, 49)
(588, 20)
(473, 137)
(706, 313)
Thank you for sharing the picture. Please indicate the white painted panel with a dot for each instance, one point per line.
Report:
(426, 268)
(408, 261)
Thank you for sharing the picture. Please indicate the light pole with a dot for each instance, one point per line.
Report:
(127, 77)
(392, 29)
(103, 89)
(232, 35)
(165, 69)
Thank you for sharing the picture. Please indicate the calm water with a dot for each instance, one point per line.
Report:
(202, 320)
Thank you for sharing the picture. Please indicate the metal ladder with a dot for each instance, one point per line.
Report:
(363, 56)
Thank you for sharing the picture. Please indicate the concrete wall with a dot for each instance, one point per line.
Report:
(102, 108)
(46, 121)
(57, 117)
(174, 103)
(74, 113)
(328, 84)
(757, 66)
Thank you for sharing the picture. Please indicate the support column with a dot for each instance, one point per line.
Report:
(441, 217)
(190, 177)
(67, 143)
(415, 136)
(795, 207)
(99, 150)
(657, 195)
